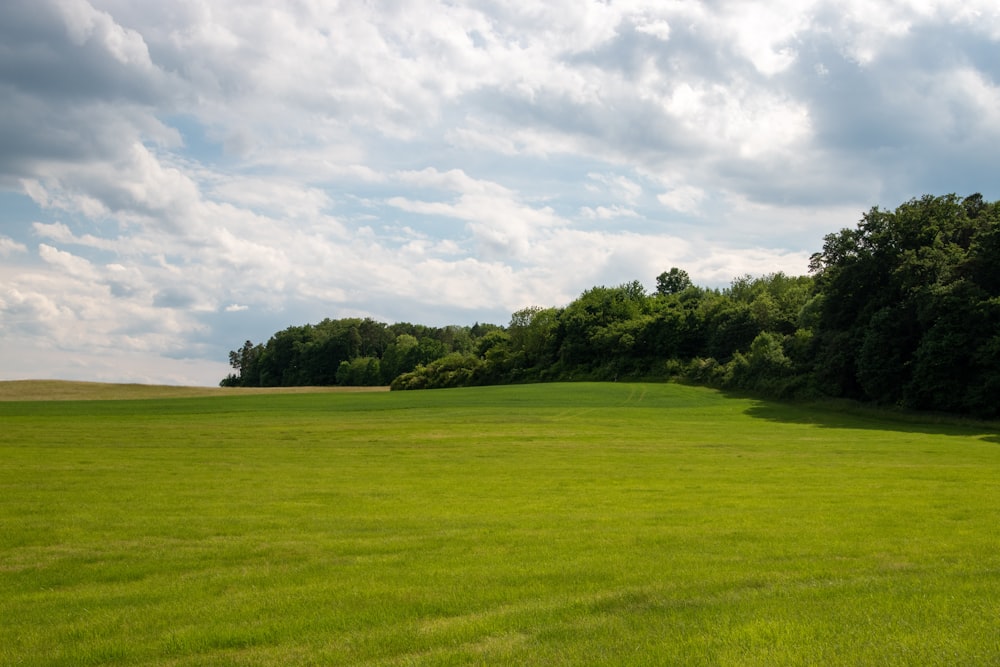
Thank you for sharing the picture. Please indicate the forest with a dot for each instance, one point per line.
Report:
(902, 310)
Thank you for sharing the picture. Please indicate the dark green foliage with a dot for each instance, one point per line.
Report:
(401, 356)
(246, 362)
(903, 310)
(350, 352)
(673, 281)
(732, 326)
(887, 345)
(909, 306)
(597, 327)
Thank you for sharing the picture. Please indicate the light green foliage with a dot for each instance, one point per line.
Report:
(359, 372)
(453, 370)
(583, 524)
(532, 332)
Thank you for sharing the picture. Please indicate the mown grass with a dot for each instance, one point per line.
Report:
(547, 524)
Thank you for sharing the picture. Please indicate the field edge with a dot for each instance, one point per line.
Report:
(77, 390)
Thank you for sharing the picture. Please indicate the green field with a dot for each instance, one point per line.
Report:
(643, 524)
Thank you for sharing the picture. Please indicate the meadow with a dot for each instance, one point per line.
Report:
(561, 524)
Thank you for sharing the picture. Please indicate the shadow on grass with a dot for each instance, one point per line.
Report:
(849, 415)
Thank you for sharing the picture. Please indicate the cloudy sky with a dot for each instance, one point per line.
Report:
(178, 177)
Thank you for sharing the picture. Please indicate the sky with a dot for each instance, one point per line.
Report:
(179, 177)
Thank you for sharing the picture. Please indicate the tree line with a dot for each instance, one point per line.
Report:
(902, 310)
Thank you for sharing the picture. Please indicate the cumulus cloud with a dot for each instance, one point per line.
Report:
(10, 246)
(190, 175)
(685, 198)
(607, 213)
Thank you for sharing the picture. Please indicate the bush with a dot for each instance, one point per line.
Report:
(453, 370)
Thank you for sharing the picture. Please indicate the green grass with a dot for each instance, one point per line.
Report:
(547, 524)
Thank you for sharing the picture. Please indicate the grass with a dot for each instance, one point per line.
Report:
(636, 524)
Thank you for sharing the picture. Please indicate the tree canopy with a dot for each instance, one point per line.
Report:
(902, 310)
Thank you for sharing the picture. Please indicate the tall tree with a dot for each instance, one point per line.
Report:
(672, 282)
(245, 361)
(909, 314)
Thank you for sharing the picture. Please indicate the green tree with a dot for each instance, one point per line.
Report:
(401, 356)
(246, 362)
(280, 361)
(673, 281)
(359, 372)
(531, 333)
(732, 327)
(906, 304)
(585, 339)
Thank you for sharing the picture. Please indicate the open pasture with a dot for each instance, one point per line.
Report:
(569, 524)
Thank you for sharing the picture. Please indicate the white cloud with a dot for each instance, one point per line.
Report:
(501, 224)
(271, 195)
(29, 358)
(9, 246)
(685, 198)
(84, 23)
(186, 168)
(618, 186)
(61, 233)
(657, 28)
(607, 212)
(748, 123)
(71, 264)
(764, 32)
